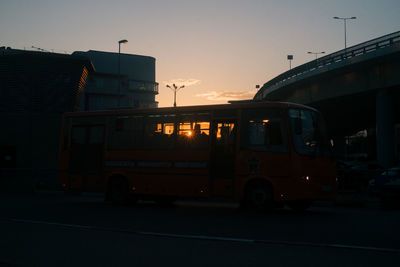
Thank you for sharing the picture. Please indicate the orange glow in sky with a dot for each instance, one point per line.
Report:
(219, 49)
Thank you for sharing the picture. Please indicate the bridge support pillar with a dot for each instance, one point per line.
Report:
(385, 129)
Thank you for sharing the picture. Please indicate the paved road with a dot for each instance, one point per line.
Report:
(53, 229)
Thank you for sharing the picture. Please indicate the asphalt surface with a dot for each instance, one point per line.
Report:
(53, 229)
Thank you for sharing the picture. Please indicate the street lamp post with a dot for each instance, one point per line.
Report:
(345, 34)
(175, 88)
(290, 58)
(124, 41)
(316, 54)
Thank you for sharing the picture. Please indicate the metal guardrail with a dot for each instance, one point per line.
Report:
(350, 52)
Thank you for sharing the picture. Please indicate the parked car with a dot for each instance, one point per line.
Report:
(387, 186)
(355, 175)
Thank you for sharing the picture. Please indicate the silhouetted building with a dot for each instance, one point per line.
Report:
(134, 73)
(35, 89)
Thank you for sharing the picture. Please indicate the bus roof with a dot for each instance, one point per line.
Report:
(198, 108)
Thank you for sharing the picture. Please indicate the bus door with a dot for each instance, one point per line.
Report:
(86, 157)
(223, 155)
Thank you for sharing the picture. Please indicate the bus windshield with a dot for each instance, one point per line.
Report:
(309, 133)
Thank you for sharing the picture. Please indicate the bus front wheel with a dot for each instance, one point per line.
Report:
(258, 197)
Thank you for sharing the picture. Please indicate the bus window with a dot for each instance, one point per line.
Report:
(126, 132)
(201, 134)
(225, 134)
(193, 135)
(78, 136)
(264, 131)
(160, 132)
(165, 128)
(223, 155)
(185, 129)
(308, 133)
(96, 135)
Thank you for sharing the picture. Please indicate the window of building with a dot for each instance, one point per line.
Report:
(99, 82)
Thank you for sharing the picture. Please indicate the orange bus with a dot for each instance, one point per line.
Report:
(260, 154)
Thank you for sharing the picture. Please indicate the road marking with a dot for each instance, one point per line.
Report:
(54, 223)
(310, 244)
(203, 237)
(212, 238)
(366, 248)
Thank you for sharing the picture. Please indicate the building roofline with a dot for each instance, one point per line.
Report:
(19, 52)
(111, 53)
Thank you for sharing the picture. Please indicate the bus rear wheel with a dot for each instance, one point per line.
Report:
(258, 197)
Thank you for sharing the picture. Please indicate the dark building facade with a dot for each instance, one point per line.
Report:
(35, 89)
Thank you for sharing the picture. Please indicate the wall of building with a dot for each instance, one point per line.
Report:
(36, 89)
(132, 85)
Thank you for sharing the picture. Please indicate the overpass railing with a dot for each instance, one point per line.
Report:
(350, 52)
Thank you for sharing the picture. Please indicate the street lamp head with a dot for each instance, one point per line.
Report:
(345, 18)
(123, 41)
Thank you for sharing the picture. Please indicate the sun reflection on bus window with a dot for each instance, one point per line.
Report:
(194, 128)
(165, 128)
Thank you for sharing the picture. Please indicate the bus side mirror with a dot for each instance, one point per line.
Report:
(298, 127)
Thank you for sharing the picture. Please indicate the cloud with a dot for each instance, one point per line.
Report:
(180, 82)
(228, 95)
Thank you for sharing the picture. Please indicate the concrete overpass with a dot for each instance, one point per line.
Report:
(357, 88)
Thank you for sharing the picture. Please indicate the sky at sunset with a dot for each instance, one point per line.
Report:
(219, 49)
